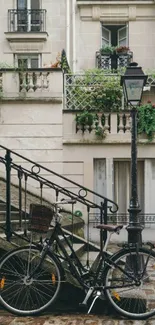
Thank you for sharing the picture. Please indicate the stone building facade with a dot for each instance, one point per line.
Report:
(34, 119)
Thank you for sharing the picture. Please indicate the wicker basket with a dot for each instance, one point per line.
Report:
(40, 218)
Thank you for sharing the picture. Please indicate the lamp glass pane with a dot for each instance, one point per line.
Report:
(134, 89)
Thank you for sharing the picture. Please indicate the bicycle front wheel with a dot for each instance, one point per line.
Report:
(130, 283)
(28, 295)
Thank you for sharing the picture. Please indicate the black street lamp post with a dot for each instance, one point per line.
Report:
(133, 82)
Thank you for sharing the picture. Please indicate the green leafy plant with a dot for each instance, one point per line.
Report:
(146, 120)
(99, 132)
(64, 62)
(85, 118)
(90, 119)
(95, 90)
(109, 49)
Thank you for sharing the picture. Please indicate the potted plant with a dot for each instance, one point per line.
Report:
(107, 50)
(122, 50)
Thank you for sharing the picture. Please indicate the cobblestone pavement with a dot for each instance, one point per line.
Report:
(69, 319)
(68, 312)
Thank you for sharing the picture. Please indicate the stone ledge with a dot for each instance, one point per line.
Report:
(53, 100)
(105, 142)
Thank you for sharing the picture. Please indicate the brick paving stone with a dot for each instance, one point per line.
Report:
(5, 320)
(69, 319)
(28, 321)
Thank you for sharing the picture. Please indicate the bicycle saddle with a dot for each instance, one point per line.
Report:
(111, 228)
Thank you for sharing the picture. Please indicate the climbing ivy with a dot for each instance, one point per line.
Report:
(90, 119)
(94, 89)
(146, 120)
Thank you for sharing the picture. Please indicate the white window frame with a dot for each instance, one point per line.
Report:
(125, 25)
(124, 38)
(102, 38)
(29, 4)
(28, 7)
(28, 56)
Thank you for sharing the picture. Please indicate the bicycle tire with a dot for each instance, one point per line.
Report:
(132, 301)
(22, 296)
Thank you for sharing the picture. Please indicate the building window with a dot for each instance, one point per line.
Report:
(115, 35)
(29, 16)
(28, 61)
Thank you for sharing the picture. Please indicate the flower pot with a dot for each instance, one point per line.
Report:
(121, 53)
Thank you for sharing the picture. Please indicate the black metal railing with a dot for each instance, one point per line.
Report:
(27, 20)
(113, 61)
(31, 175)
(146, 219)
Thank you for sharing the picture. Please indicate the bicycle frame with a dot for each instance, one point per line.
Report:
(76, 267)
(80, 272)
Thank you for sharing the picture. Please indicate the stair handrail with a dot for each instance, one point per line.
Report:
(80, 197)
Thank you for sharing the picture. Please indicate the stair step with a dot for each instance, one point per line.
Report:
(14, 215)
(14, 224)
(3, 206)
(79, 249)
(91, 255)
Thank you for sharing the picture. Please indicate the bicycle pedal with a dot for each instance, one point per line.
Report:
(82, 305)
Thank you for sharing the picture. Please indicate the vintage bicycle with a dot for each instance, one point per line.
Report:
(31, 277)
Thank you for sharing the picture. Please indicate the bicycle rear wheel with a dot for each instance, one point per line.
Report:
(23, 295)
(130, 298)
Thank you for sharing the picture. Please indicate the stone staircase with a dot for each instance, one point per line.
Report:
(84, 250)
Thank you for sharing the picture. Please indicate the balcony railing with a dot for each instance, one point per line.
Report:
(92, 91)
(100, 91)
(115, 126)
(113, 61)
(27, 20)
(111, 123)
(45, 82)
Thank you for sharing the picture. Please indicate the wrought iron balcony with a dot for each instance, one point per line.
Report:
(113, 61)
(27, 20)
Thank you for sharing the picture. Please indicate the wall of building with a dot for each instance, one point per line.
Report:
(141, 25)
(37, 128)
(88, 18)
(55, 27)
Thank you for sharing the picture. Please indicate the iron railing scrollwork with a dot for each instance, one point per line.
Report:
(30, 174)
(113, 61)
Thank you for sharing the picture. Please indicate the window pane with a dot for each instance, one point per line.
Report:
(106, 36)
(34, 63)
(21, 4)
(22, 21)
(35, 4)
(122, 33)
(22, 63)
(122, 42)
(105, 33)
(122, 36)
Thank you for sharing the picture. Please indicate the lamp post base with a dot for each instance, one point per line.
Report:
(134, 228)
(135, 264)
(134, 234)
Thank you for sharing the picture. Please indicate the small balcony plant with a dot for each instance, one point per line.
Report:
(122, 50)
(107, 50)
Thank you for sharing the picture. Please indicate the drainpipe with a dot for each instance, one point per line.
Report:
(74, 35)
(68, 30)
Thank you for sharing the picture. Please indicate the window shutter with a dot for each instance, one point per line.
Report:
(122, 36)
(106, 36)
